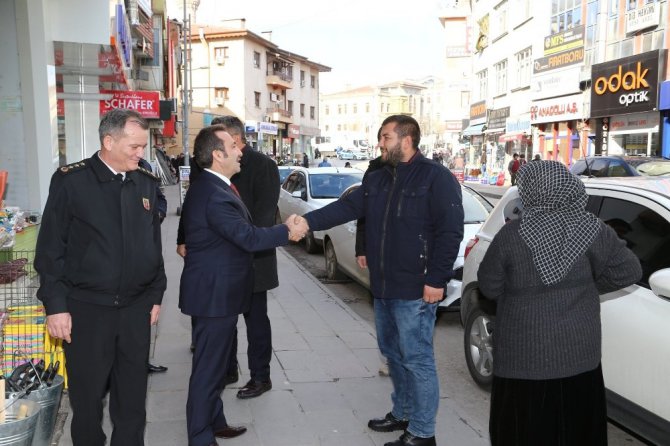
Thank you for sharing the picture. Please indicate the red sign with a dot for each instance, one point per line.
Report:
(146, 103)
(293, 131)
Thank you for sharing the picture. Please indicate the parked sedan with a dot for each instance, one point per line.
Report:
(351, 155)
(339, 246)
(619, 166)
(635, 336)
(307, 189)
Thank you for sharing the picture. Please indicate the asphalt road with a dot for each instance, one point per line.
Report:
(455, 380)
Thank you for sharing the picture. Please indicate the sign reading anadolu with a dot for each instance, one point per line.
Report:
(566, 108)
(627, 85)
(146, 103)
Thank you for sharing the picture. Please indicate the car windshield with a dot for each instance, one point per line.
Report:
(331, 185)
(283, 173)
(475, 208)
(654, 168)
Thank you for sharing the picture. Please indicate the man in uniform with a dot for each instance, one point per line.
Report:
(102, 278)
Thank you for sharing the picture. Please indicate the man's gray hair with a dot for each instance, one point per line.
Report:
(233, 125)
(115, 121)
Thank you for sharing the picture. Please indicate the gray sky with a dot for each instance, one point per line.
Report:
(363, 41)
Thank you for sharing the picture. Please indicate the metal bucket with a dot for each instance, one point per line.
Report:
(15, 432)
(49, 399)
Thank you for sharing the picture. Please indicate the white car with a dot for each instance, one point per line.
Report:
(339, 246)
(635, 335)
(349, 154)
(307, 189)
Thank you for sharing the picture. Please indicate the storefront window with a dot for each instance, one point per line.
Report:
(637, 144)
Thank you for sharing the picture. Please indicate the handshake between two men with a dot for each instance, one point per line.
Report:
(297, 227)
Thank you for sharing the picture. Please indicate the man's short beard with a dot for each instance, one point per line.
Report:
(393, 155)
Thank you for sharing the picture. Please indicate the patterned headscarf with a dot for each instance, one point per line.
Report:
(554, 224)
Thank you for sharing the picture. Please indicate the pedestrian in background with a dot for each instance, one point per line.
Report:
(161, 208)
(513, 167)
(546, 271)
(102, 279)
(325, 162)
(257, 185)
(414, 226)
(218, 277)
(305, 160)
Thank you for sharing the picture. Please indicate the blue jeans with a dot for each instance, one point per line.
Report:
(405, 337)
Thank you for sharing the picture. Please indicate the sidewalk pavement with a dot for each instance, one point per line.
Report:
(324, 371)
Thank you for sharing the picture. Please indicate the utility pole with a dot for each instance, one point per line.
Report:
(186, 29)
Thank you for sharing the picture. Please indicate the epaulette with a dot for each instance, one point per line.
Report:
(74, 167)
(148, 173)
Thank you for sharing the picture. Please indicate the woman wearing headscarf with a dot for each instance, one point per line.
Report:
(546, 271)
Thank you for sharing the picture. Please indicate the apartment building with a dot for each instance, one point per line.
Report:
(449, 105)
(594, 83)
(499, 118)
(358, 112)
(274, 91)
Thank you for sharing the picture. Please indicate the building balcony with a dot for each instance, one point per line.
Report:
(279, 79)
(277, 114)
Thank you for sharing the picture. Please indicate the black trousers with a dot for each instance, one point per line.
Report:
(567, 411)
(259, 336)
(109, 351)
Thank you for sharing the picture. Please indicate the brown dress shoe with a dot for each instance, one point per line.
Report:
(253, 389)
(230, 431)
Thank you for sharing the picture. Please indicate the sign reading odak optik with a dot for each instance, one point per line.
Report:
(627, 85)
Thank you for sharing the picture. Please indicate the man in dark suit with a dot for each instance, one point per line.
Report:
(257, 184)
(217, 280)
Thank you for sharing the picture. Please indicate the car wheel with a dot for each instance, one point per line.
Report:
(478, 345)
(310, 244)
(332, 267)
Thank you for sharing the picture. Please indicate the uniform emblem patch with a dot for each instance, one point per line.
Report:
(145, 202)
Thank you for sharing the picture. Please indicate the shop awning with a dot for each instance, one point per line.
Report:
(475, 129)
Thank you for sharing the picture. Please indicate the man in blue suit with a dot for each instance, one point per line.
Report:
(217, 280)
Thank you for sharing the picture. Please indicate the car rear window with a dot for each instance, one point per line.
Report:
(475, 209)
(331, 185)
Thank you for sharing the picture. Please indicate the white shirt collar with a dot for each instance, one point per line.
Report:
(223, 177)
(123, 174)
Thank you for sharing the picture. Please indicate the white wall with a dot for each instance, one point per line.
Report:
(85, 21)
(12, 147)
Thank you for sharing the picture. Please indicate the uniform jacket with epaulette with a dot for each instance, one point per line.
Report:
(100, 239)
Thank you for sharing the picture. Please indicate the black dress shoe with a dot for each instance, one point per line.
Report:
(407, 439)
(230, 431)
(156, 368)
(252, 389)
(232, 378)
(388, 424)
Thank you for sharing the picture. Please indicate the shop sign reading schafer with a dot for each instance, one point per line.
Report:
(146, 103)
(627, 85)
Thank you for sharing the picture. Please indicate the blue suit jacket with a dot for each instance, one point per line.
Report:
(218, 275)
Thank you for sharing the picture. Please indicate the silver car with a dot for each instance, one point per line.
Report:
(308, 189)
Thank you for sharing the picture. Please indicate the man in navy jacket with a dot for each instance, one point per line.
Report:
(414, 226)
(218, 276)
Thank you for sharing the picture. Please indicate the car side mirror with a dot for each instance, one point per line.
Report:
(297, 193)
(660, 283)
